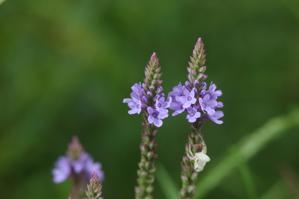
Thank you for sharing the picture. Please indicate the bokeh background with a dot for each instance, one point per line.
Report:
(66, 65)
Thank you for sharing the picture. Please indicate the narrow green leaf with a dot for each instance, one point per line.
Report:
(167, 185)
(248, 181)
(277, 191)
(247, 148)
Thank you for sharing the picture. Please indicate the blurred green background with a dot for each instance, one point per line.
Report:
(66, 65)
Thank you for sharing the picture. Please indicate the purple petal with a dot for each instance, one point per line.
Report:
(215, 118)
(151, 119)
(79, 164)
(94, 167)
(62, 170)
(158, 123)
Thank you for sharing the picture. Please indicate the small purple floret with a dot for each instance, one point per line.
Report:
(187, 99)
(138, 99)
(216, 116)
(159, 112)
(177, 91)
(209, 103)
(193, 114)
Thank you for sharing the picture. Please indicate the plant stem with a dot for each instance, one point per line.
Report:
(77, 188)
(189, 176)
(146, 166)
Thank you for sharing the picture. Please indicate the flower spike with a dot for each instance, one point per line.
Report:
(148, 99)
(200, 103)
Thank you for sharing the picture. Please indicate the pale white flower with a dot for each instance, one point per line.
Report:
(200, 159)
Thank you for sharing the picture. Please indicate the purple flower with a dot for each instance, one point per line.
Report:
(62, 170)
(160, 110)
(175, 105)
(94, 168)
(187, 99)
(193, 114)
(216, 116)
(155, 116)
(78, 165)
(183, 97)
(138, 99)
(208, 102)
(161, 102)
(157, 110)
(205, 105)
(84, 165)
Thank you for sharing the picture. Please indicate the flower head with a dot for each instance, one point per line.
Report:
(197, 103)
(148, 97)
(194, 98)
(76, 163)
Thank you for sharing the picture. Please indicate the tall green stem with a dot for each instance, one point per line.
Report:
(146, 166)
(189, 176)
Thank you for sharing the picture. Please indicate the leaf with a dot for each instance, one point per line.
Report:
(247, 148)
(248, 181)
(167, 185)
(277, 191)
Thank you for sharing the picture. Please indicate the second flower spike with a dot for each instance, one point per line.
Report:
(195, 97)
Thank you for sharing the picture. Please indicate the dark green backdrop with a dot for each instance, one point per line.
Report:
(66, 65)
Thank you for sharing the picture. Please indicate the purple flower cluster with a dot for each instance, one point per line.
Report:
(196, 103)
(139, 101)
(84, 167)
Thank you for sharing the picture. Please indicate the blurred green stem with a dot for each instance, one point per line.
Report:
(146, 166)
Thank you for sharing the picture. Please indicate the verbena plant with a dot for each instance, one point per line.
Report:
(195, 97)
